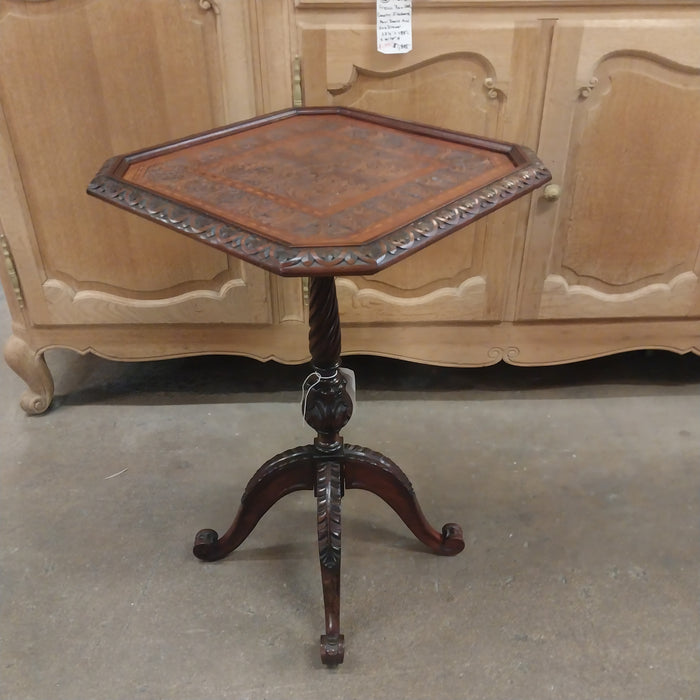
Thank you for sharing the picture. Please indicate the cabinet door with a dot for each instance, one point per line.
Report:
(472, 76)
(621, 133)
(81, 80)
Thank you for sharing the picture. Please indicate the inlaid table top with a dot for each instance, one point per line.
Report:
(320, 191)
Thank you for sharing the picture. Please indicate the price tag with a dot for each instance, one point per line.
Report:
(394, 33)
(350, 386)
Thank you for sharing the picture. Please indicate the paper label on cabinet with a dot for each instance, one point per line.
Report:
(394, 32)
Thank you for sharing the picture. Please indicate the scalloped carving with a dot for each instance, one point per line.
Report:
(470, 94)
(506, 354)
(197, 306)
(467, 301)
(600, 71)
(563, 300)
(358, 71)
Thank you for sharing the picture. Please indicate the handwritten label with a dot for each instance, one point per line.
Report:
(394, 34)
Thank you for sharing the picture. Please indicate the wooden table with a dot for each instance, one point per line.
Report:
(322, 192)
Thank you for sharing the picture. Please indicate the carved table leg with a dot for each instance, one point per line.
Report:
(327, 410)
(32, 368)
(372, 471)
(328, 494)
(289, 471)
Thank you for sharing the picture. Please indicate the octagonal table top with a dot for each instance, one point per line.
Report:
(320, 191)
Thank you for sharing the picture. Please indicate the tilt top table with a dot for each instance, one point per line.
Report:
(321, 192)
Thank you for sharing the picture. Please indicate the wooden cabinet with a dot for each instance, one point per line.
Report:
(605, 261)
(621, 132)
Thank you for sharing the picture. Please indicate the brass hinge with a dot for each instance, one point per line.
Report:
(305, 290)
(297, 100)
(11, 270)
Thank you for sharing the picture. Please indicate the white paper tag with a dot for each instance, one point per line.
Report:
(394, 33)
(350, 386)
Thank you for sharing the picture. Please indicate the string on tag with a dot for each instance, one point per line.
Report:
(306, 387)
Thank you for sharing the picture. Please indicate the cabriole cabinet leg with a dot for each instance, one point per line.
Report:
(32, 368)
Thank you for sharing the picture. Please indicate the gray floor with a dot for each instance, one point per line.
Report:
(577, 487)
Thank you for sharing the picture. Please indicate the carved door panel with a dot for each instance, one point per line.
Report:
(81, 80)
(463, 75)
(621, 133)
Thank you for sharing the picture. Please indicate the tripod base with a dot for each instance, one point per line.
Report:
(328, 467)
(328, 474)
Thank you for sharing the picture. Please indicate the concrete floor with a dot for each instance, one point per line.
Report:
(578, 489)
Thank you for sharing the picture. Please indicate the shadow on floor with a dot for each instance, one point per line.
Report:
(225, 379)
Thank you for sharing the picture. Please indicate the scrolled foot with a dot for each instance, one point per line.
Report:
(374, 472)
(452, 540)
(332, 649)
(205, 542)
(289, 471)
(31, 367)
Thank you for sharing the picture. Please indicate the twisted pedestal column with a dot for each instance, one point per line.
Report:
(328, 467)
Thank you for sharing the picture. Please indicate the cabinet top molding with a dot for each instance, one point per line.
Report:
(493, 4)
(319, 191)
